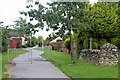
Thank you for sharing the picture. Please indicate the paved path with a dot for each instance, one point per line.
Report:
(38, 69)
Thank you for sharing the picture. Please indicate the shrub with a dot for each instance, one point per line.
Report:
(57, 47)
(32, 42)
(115, 41)
(67, 43)
(102, 42)
(85, 43)
(24, 46)
(95, 44)
(4, 39)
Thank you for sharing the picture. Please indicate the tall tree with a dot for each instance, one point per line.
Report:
(4, 38)
(64, 16)
(101, 21)
(36, 15)
(23, 29)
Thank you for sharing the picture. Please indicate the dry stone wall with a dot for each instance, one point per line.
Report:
(107, 55)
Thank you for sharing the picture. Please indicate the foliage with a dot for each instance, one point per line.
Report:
(82, 18)
(95, 44)
(39, 41)
(115, 41)
(102, 42)
(85, 43)
(101, 22)
(58, 46)
(24, 46)
(47, 41)
(67, 43)
(4, 33)
(35, 14)
(32, 42)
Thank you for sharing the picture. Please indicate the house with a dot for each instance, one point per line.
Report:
(54, 43)
(14, 39)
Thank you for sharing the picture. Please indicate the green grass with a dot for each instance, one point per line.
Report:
(42, 49)
(0, 65)
(81, 69)
(4, 60)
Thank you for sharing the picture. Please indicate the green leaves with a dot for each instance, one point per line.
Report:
(102, 20)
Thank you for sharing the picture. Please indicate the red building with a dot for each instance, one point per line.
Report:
(14, 40)
(13, 43)
(54, 44)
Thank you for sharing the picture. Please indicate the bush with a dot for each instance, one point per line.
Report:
(115, 41)
(4, 39)
(102, 42)
(85, 43)
(67, 43)
(32, 42)
(40, 44)
(57, 47)
(39, 41)
(95, 44)
(24, 46)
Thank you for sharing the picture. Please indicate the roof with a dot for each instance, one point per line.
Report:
(14, 34)
(55, 40)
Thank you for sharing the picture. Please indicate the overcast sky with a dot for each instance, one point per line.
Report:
(9, 12)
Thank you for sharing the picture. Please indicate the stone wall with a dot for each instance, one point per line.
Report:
(107, 55)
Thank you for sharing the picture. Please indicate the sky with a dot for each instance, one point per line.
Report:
(9, 12)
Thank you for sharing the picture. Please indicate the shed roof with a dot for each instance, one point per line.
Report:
(14, 34)
(55, 40)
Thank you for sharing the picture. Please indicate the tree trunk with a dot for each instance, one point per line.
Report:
(71, 48)
(69, 25)
(18, 45)
(90, 41)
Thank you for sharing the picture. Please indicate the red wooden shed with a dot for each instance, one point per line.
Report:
(14, 43)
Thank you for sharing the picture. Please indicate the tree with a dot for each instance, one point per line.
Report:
(64, 17)
(58, 17)
(35, 14)
(39, 41)
(20, 28)
(32, 42)
(67, 44)
(4, 38)
(47, 41)
(101, 21)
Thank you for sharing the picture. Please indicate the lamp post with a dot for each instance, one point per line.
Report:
(37, 3)
(42, 40)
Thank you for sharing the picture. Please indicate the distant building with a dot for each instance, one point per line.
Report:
(14, 39)
(59, 41)
(54, 42)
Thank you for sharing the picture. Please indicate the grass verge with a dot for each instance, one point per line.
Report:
(4, 60)
(81, 69)
(0, 66)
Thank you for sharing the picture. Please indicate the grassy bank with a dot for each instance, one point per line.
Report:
(4, 60)
(81, 69)
(0, 65)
